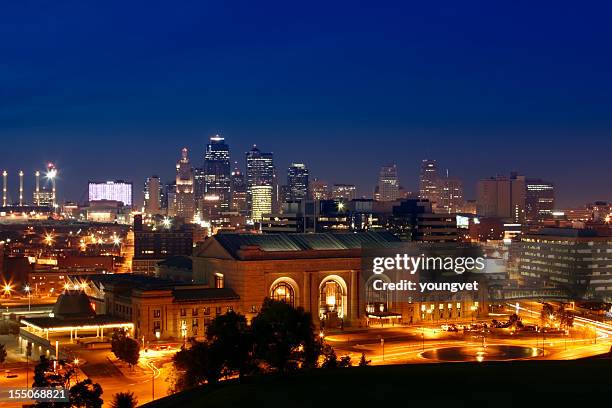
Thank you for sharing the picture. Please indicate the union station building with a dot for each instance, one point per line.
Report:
(322, 274)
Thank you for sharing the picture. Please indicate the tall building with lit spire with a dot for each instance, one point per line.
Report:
(184, 205)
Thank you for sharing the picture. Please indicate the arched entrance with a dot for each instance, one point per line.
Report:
(284, 290)
(333, 299)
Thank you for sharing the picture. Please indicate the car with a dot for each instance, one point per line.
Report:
(9, 374)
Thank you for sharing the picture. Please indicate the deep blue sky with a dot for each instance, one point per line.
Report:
(115, 89)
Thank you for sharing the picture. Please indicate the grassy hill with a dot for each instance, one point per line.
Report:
(507, 384)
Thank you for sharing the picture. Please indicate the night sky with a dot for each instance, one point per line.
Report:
(115, 90)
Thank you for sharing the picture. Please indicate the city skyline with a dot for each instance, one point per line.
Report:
(71, 191)
(380, 84)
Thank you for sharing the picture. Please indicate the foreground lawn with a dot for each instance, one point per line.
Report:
(507, 384)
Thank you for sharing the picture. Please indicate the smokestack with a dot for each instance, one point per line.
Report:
(37, 188)
(4, 186)
(21, 188)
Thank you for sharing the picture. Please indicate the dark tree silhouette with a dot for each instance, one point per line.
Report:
(230, 339)
(284, 336)
(124, 400)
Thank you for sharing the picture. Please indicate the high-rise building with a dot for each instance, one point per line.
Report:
(450, 195)
(428, 181)
(217, 172)
(184, 200)
(318, 190)
(259, 172)
(297, 182)
(119, 191)
(539, 200)
(152, 195)
(344, 192)
(388, 183)
(199, 183)
(502, 197)
(262, 201)
(238, 190)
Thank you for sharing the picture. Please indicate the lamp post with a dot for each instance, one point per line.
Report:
(28, 290)
(473, 309)
(76, 371)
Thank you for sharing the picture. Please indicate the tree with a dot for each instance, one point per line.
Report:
(2, 353)
(196, 365)
(125, 348)
(345, 362)
(86, 394)
(50, 374)
(124, 400)
(547, 312)
(363, 362)
(229, 337)
(330, 359)
(284, 336)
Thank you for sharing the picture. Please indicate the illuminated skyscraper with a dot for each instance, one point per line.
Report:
(297, 182)
(388, 183)
(259, 172)
(319, 190)
(238, 192)
(152, 195)
(428, 179)
(344, 192)
(450, 195)
(539, 200)
(217, 172)
(262, 201)
(184, 201)
(120, 191)
(502, 197)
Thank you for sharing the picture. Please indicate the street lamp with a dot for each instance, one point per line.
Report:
(28, 291)
(7, 289)
(76, 371)
(473, 309)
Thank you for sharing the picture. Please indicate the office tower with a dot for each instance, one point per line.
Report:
(388, 183)
(260, 172)
(502, 197)
(344, 192)
(539, 200)
(297, 182)
(184, 201)
(166, 197)
(450, 195)
(152, 196)
(199, 184)
(318, 190)
(217, 172)
(262, 201)
(238, 190)
(119, 191)
(428, 179)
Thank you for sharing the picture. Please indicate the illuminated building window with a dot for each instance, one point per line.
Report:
(283, 292)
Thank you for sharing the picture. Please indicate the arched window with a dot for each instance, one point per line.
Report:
(283, 292)
(331, 299)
